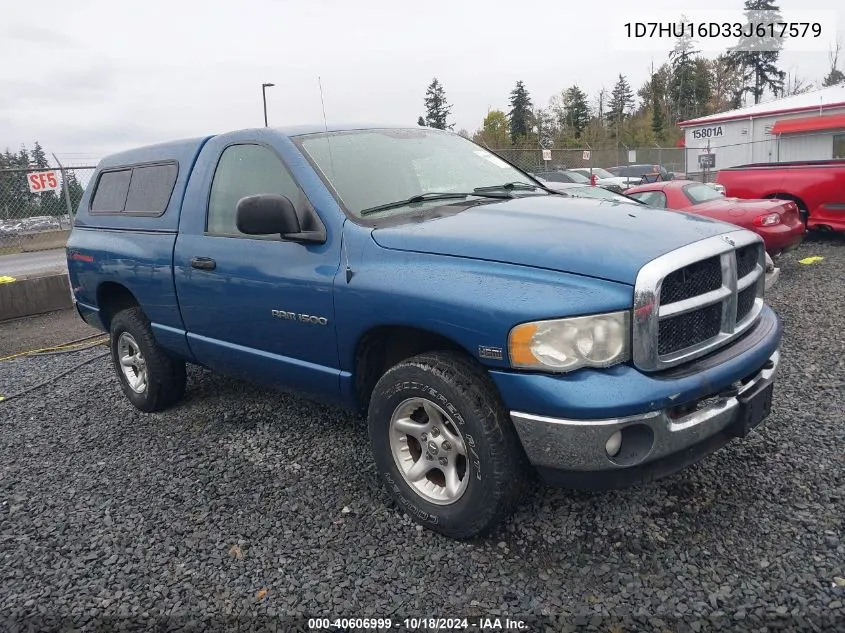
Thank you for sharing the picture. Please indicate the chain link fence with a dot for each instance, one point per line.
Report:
(37, 206)
(531, 159)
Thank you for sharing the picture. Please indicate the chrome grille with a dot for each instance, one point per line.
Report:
(696, 299)
(691, 281)
(745, 302)
(746, 259)
(678, 332)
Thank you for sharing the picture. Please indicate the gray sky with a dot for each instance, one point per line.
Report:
(90, 77)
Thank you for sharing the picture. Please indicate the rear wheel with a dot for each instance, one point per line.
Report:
(150, 378)
(445, 446)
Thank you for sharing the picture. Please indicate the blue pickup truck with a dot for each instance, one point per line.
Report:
(490, 329)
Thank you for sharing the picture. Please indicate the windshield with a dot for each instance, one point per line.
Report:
(577, 177)
(698, 193)
(375, 167)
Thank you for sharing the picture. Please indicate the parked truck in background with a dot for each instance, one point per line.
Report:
(489, 328)
(817, 187)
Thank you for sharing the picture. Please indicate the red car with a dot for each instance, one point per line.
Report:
(816, 186)
(776, 221)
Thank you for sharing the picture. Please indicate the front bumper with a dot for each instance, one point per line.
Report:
(772, 277)
(654, 443)
(772, 273)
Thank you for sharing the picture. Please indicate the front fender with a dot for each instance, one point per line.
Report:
(471, 302)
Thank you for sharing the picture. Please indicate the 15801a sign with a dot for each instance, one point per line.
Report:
(708, 132)
(42, 181)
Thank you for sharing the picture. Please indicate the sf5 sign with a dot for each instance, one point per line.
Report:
(43, 181)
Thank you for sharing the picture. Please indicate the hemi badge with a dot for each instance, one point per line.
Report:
(493, 353)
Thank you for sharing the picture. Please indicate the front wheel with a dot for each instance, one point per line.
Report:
(445, 446)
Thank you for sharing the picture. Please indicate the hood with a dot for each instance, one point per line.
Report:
(596, 238)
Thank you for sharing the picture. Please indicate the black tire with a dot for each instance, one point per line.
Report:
(166, 377)
(498, 470)
(803, 214)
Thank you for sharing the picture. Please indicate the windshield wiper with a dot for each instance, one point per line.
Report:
(431, 195)
(510, 186)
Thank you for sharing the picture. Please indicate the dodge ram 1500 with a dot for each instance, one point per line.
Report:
(489, 328)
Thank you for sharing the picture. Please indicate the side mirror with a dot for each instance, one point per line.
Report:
(266, 214)
(273, 214)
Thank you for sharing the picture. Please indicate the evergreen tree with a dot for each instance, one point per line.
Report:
(657, 118)
(680, 97)
(75, 189)
(421, 122)
(652, 96)
(5, 188)
(39, 158)
(576, 110)
(756, 57)
(654, 87)
(688, 88)
(520, 117)
(621, 101)
(24, 159)
(436, 107)
(19, 200)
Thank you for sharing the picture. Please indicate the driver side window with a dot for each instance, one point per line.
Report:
(245, 170)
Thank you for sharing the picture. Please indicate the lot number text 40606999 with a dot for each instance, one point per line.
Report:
(414, 624)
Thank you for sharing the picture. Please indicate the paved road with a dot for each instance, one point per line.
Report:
(29, 264)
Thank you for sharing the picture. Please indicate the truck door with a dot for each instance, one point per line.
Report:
(254, 307)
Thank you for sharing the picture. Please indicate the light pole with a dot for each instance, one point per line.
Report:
(264, 99)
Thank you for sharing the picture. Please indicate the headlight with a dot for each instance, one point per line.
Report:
(563, 345)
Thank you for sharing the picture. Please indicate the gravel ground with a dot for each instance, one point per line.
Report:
(43, 330)
(242, 506)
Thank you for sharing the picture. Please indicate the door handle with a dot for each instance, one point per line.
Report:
(203, 263)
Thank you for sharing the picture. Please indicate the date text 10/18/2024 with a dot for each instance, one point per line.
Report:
(422, 624)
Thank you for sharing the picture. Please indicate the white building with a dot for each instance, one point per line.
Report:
(809, 126)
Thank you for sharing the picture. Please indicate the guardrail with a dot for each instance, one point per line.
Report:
(34, 241)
